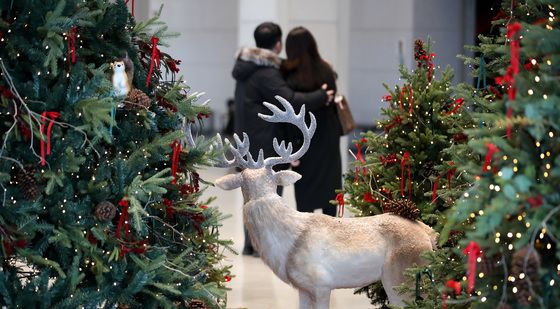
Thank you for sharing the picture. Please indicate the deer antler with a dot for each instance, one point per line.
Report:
(288, 116)
(241, 154)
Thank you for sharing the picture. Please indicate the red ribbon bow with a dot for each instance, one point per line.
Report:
(52, 116)
(169, 210)
(430, 65)
(406, 157)
(340, 199)
(473, 252)
(175, 160)
(369, 198)
(455, 286)
(132, 8)
(389, 159)
(396, 120)
(123, 219)
(155, 57)
(72, 45)
(488, 158)
(138, 247)
(458, 103)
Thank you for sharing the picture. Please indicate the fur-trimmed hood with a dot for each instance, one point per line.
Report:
(251, 59)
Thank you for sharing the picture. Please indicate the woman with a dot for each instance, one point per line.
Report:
(320, 167)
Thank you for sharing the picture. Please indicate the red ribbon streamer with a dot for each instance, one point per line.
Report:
(452, 284)
(450, 174)
(340, 199)
(132, 8)
(52, 116)
(155, 57)
(123, 219)
(458, 103)
(360, 158)
(509, 79)
(410, 102)
(488, 158)
(434, 190)
(473, 252)
(175, 161)
(405, 157)
(72, 45)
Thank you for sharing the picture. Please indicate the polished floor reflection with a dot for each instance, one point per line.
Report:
(254, 285)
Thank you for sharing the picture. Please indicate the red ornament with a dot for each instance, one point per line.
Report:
(92, 240)
(387, 98)
(203, 206)
(536, 201)
(460, 137)
(227, 278)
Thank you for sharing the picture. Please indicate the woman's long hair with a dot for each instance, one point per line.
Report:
(304, 66)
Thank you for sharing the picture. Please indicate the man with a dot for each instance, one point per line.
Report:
(258, 80)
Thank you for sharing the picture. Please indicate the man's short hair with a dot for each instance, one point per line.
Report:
(267, 35)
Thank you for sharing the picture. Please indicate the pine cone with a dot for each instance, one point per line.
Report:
(196, 304)
(137, 99)
(105, 211)
(419, 50)
(503, 306)
(530, 272)
(404, 208)
(26, 182)
(488, 264)
(428, 169)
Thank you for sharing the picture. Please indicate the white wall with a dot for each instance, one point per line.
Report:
(378, 28)
(206, 46)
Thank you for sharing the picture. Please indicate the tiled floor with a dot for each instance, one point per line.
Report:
(254, 285)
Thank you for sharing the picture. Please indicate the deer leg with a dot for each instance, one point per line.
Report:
(393, 275)
(322, 299)
(304, 300)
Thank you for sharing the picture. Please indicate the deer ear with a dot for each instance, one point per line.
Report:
(286, 178)
(229, 182)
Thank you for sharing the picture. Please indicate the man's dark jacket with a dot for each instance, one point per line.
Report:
(258, 80)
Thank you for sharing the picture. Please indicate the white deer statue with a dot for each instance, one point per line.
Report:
(317, 253)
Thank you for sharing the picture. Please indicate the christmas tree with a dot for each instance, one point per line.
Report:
(410, 169)
(510, 217)
(99, 194)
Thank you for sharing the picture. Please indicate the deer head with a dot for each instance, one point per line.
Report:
(258, 179)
